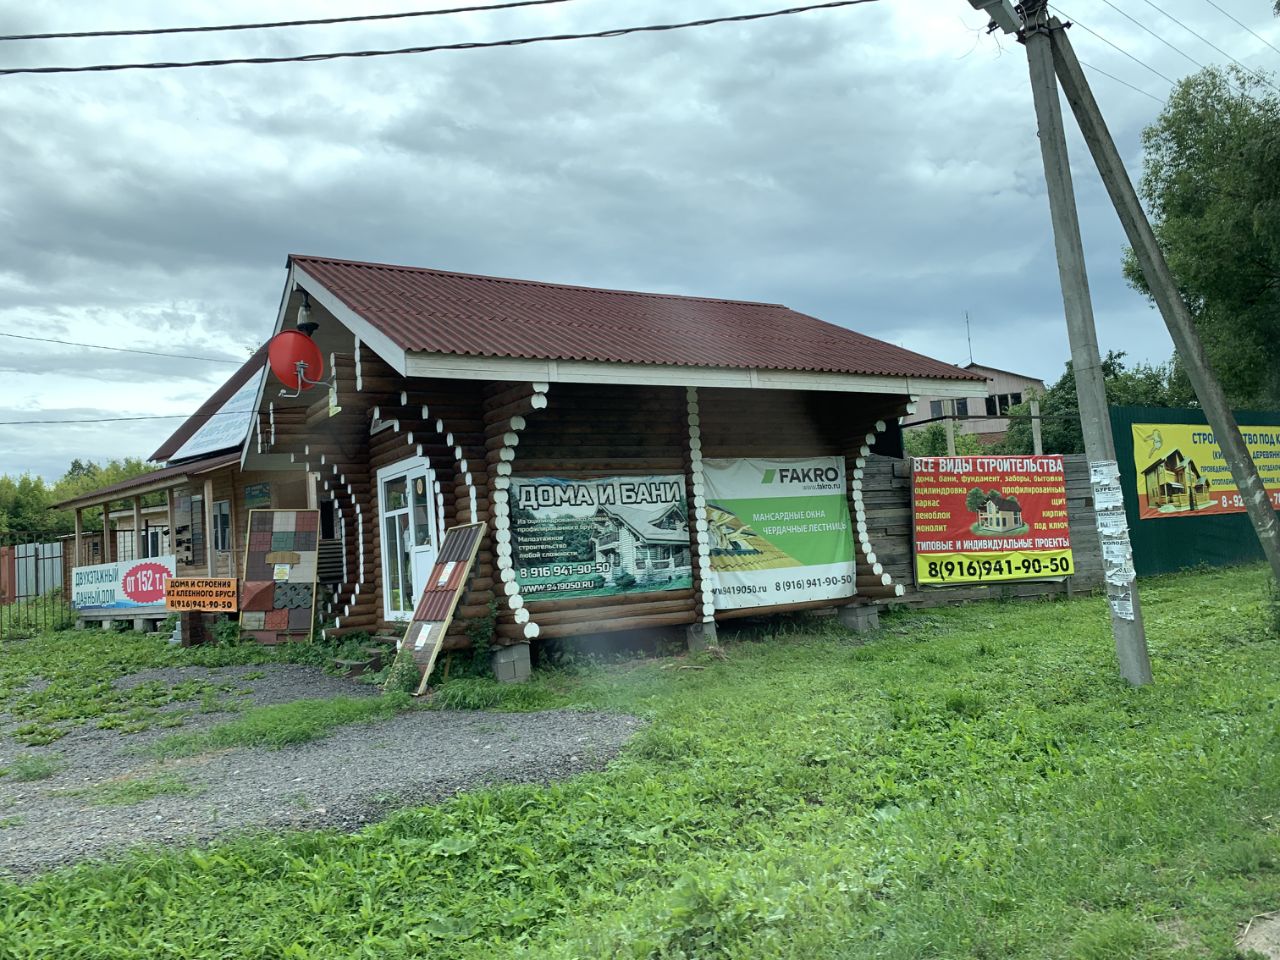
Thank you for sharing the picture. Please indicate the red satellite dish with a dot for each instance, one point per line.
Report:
(287, 351)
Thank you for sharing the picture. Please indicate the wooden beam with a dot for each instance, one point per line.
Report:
(208, 526)
(139, 540)
(108, 542)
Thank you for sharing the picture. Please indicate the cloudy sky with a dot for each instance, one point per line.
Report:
(876, 166)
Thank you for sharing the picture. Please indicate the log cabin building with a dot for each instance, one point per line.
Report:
(444, 392)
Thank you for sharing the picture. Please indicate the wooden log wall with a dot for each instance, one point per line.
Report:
(794, 423)
(887, 498)
(508, 410)
(597, 430)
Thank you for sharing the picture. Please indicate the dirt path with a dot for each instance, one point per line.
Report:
(349, 778)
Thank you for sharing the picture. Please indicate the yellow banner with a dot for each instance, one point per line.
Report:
(1180, 470)
(992, 567)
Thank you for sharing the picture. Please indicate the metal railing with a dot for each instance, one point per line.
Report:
(34, 587)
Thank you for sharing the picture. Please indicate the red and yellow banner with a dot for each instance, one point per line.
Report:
(1181, 472)
(983, 519)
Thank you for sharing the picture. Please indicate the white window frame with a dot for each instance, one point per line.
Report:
(390, 473)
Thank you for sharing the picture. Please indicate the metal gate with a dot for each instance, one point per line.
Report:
(34, 587)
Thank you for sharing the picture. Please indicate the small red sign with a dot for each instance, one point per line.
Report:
(144, 582)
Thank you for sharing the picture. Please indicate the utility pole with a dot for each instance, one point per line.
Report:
(1113, 532)
(1165, 292)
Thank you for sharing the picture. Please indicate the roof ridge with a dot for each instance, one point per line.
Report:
(614, 291)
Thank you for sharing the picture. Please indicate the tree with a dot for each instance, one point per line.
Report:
(974, 500)
(1142, 385)
(1212, 183)
(26, 501)
(931, 441)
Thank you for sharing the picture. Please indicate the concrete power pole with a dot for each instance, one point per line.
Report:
(1113, 532)
(1165, 292)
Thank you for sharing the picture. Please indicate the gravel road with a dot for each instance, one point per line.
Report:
(352, 777)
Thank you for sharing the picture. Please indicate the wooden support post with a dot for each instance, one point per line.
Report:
(1037, 443)
(208, 526)
(139, 540)
(108, 541)
(950, 407)
(1164, 290)
(1095, 422)
(173, 533)
(79, 554)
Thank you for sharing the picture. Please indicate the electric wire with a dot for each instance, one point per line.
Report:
(435, 48)
(1243, 26)
(1109, 76)
(1141, 63)
(1143, 26)
(1253, 72)
(101, 346)
(325, 21)
(166, 416)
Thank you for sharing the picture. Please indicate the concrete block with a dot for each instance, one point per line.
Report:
(863, 618)
(512, 664)
(139, 624)
(699, 636)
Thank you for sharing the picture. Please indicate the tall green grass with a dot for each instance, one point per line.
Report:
(972, 783)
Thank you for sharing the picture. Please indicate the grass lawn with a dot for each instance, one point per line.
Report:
(973, 782)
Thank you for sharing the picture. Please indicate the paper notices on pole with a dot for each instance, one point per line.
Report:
(1107, 496)
(1113, 525)
(1103, 472)
(1122, 605)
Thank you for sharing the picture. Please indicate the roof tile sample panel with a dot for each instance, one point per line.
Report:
(279, 589)
(444, 587)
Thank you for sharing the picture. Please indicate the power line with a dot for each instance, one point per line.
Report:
(100, 346)
(1143, 26)
(1243, 25)
(1135, 89)
(168, 416)
(1257, 73)
(1141, 63)
(434, 48)
(279, 23)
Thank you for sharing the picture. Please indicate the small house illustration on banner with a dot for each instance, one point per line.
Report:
(646, 544)
(1174, 483)
(996, 512)
(1001, 513)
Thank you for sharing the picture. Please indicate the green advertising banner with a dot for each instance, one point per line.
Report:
(599, 538)
(780, 531)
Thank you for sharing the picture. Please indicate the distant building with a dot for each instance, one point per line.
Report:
(1004, 390)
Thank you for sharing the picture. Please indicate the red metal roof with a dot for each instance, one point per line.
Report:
(457, 313)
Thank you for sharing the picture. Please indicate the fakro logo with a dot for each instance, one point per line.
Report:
(802, 475)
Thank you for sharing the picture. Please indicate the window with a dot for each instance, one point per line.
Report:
(1015, 399)
(409, 513)
(197, 529)
(222, 525)
(935, 408)
(962, 407)
(993, 406)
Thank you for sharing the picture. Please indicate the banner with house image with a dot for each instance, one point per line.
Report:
(780, 531)
(1181, 471)
(980, 519)
(597, 538)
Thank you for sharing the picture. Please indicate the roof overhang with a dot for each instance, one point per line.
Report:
(154, 482)
(453, 366)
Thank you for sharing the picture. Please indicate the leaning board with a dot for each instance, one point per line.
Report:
(278, 593)
(444, 588)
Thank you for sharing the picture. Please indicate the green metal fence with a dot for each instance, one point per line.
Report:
(1173, 543)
